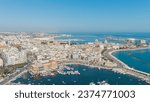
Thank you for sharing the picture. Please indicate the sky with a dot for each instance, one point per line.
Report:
(75, 15)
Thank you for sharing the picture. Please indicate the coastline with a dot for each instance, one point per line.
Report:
(125, 70)
(8, 80)
(139, 74)
(134, 49)
(116, 70)
(131, 72)
(14, 78)
(120, 50)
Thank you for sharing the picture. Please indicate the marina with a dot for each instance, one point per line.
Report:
(87, 75)
(52, 58)
(124, 70)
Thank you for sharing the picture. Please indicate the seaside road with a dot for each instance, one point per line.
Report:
(125, 69)
(15, 74)
(108, 55)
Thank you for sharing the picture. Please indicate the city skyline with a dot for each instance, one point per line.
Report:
(75, 15)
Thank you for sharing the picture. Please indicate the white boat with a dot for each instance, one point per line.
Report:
(48, 79)
(74, 81)
(103, 83)
(84, 69)
(63, 82)
(92, 83)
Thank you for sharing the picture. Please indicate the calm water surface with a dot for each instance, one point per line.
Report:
(87, 75)
(138, 59)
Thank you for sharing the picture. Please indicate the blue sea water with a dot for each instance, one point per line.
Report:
(87, 75)
(91, 37)
(138, 59)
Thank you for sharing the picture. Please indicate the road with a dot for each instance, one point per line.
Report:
(123, 68)
(15, 74)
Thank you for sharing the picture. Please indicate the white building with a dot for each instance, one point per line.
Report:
(1, 62)
(13, 56)
(101, 46)
(143, 41)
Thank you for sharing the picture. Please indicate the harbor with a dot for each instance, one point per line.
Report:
(64, 69)
(50, 57)
(87, 76)
(122, 68)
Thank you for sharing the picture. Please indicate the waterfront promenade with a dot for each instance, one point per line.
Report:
(124, 68)
(7, 80)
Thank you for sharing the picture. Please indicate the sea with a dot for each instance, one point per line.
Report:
(138, 59)
(87, 76)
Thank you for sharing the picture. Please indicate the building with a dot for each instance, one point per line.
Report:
(131, 40)
(143, 41)
(13, 56)
(51, 65)
(44, 68)
(1, 62)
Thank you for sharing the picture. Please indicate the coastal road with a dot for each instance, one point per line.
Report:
(123, 68)
(113, 59)
(15, 74)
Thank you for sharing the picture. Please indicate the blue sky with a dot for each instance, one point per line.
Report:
(75, 15)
